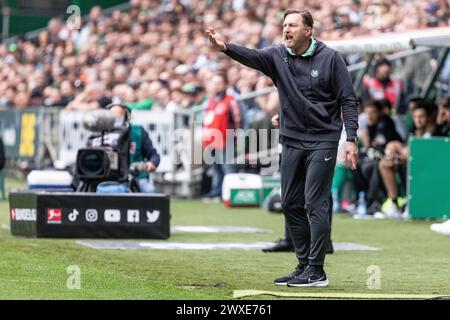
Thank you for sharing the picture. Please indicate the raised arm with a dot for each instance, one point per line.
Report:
(258, 59)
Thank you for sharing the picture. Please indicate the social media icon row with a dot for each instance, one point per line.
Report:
(54, 216)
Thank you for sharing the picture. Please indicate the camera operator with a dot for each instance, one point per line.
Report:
(141, 148)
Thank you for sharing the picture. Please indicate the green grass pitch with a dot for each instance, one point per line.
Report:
(413, 260)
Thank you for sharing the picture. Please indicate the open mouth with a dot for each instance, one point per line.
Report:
(288, 37)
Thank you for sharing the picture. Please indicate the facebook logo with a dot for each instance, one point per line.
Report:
(133, 216)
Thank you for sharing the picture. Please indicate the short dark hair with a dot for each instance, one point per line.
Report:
(445, 103)
(376, 104)
(383, 62)
(423, 107)
(307, 18)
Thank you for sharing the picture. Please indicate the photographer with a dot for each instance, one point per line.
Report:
(141, 149)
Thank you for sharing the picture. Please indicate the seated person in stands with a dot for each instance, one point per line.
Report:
(413, 103)
(442, 128)
(379, 132)
(141, 149)
(396, 156)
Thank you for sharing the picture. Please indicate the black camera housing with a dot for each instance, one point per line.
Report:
(106, 158)
(98, 164)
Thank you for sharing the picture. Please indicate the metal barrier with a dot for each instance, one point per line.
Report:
(39, 134)
(72, 135)
(159, 125)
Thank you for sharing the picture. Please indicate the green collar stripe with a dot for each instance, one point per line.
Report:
(308, 52)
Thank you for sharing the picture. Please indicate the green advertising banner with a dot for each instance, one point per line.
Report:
(429, 178)
(245, 197)
(10, 132)
(20, 133)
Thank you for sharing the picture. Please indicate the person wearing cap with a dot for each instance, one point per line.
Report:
(196, 94)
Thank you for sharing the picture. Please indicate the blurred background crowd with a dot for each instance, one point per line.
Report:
(155, 56)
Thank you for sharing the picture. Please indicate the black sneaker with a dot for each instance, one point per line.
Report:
(284, 280)
(280, 246)
(311, 277)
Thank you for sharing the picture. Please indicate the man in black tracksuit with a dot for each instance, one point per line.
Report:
(314, 87)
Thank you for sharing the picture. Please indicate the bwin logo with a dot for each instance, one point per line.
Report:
(152, 216)
(314, 73)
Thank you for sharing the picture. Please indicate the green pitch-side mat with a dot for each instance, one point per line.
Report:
(429, 178)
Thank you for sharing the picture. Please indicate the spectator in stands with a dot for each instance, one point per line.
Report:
(380, 130)
(92, 97)
(395, 161)
(195, 94)
(222, 113)
(22, 100)
(67, 93)
(383, 86)
(413, 103)
(154, 39)
(144, 100)
(443, 119)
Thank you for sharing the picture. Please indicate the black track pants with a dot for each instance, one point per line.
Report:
(287, 234)
(306, 177)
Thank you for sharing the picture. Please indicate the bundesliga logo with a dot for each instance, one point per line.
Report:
(54, 216)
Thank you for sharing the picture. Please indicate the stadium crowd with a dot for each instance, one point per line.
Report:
(155, 56)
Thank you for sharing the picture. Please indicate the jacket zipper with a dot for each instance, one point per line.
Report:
(306, 105)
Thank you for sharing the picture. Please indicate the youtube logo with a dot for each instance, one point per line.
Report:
(54, 216)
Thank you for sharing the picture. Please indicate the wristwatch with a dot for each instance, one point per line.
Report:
(355, 140)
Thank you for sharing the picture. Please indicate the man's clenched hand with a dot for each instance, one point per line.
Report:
(276, 120)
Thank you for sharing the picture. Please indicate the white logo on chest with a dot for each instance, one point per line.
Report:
(314, 73)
